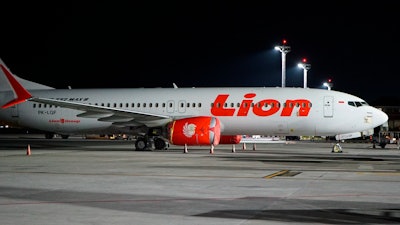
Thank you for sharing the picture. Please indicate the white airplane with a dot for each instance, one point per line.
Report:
(184, 116)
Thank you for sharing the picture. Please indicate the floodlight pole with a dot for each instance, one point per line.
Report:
(305, 67)
(284, 49)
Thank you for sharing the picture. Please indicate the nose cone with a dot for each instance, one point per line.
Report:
(380, 117)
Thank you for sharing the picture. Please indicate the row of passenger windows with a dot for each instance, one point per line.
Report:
(197, 105)
(188, 105)
(127, 105)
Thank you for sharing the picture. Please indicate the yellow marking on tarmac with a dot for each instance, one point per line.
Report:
(279, 173)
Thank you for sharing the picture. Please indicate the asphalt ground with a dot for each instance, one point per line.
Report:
(81, 181)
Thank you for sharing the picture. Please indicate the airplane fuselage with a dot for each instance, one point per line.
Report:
(244, 110)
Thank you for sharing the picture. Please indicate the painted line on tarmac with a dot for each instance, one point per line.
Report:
(279, 173)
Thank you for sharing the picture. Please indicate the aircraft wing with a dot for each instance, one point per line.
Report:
(117, 116)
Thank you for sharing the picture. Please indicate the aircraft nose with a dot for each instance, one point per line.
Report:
(380, 117)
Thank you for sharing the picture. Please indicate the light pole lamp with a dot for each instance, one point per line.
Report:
(328, 84)
(305, 66)
(284, 49)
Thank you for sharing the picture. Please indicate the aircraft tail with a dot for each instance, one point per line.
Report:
(6, 86)
(14, 90)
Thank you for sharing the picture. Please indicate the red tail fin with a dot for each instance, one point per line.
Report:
(21, 94)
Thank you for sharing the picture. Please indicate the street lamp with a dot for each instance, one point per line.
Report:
(284, 49)
(328, 84)
(305, 66)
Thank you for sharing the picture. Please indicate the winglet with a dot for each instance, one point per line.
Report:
(20, 93)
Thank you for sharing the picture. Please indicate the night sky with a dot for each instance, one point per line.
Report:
(104, 44)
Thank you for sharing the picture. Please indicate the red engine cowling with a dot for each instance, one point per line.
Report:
(230, 139)
(202, 130)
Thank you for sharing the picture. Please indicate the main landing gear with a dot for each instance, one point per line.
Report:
(151, 143)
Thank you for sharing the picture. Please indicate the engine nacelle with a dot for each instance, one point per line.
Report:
(230, 139)
(202, 130)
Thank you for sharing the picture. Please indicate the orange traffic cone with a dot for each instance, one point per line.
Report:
(28, 151)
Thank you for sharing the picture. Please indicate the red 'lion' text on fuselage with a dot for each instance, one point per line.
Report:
(265, 107)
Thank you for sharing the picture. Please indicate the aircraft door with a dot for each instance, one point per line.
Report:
(328, 106)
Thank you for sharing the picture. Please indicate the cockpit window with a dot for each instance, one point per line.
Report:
(356, 103)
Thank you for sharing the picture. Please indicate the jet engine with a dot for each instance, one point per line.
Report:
(202, 130)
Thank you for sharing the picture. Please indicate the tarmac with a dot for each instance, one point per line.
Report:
(80, 181)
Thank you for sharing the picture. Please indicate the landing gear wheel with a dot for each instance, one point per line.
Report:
(141, 144)
(160, 144)
(49, 135)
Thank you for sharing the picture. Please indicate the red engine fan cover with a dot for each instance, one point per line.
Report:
(202, 130)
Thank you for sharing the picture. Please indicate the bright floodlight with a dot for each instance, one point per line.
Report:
(305, 66)
(284, 49)
(328, 84)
